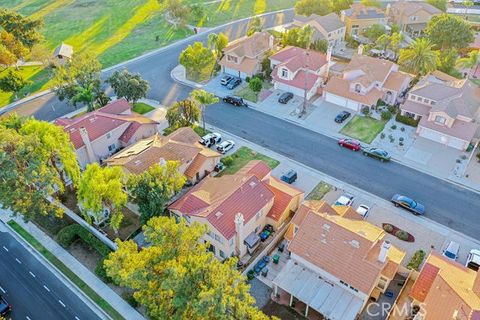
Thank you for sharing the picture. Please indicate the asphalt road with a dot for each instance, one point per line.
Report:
(34, 292)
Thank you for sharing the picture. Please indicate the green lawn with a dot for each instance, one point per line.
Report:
(363, 128)
(242, 156)
(142, 108)
(476, 81)
(65, 270)
(319, 191)
(247, 93)
(198, 129)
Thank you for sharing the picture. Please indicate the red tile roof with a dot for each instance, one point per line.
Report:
(128, 134)
(280, 204)
(116, 107)
(424, 282)
(256, 167)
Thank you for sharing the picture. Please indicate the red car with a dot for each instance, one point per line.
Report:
(350, 144)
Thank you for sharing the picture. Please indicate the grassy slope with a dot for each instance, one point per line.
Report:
(37, 75)
(243, 155)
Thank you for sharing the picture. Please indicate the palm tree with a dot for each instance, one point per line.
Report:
(470, 61)
(418, 57)
(203, 98)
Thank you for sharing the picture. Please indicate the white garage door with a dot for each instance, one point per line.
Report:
(442, 138)
(230, 71)
(353, 105)
(335, 99)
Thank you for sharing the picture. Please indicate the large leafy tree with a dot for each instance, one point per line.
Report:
(371, 3)
(177, 278)
(128, 85)
(197, 60)
(440, 4)
(217, 42)
(449, 31)
(183, 113)
(375, 31)
(37, 159)
(298, 37)
(152, 189)
(469, 61)
(308, 7)
(254, 25)
(204, 99)
(339, 5)
(100, 188)
(446, 60)
(12, 82)
(177, 10)
(418, 57)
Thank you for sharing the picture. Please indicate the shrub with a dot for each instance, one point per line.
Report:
(255, 84)
(478, 156)
(382, 135)
(386, 115)
(401, 139)
(402, 129)
(416, 260)
(406, 120)
(394, 127)
(247, 79)
(227, 160)
(388, 228)
(392, 109)
(366, 111)
(400, 143)
(130, 299)
(402, 235)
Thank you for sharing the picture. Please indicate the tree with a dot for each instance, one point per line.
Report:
(446, 60)
(36, 158)
(12, 82)
(177, 10)
(339, 5)
(418, 57)
(183, 113)
(40, 52)
(309, 7)
(449, 31)
(197, 60)
(298, 37)
(375, 31)
(217, 42)
(128, 85)
(152, 189)
(197, 11)
(371, 3)
(467, 4)
(470, 61)
(440, 4)
(254, 25)
(320, 45)
(101, 188)
(203, 98)
(391, 42)
(7, 58)
(177, 278)
(255, 84)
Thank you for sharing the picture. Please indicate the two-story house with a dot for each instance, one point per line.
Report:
(100, 133)
(448, 109)
(364, 81)
(359, 18)
(411, 16)
(243, 57)
(328, 27)
(236, 207)
(195, 160)
(296, 70)
(338, 261)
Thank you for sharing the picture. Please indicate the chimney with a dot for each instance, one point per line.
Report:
(476, 284)
(329, 61)
(342, 15)
(382, 255)
(360, 50)
(88, 145)
(239, 221)
(387, 10)
(271, 42)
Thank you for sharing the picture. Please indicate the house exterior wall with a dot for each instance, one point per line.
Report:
(145, 131)
(362, 24)
(206, 168)
(420, 16)
(448, 120)
(292, 207)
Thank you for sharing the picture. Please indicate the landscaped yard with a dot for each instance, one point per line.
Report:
(142, 108)
(363, 128)
(247, 93)
(319, 191)
(242, 156)
(39, 80)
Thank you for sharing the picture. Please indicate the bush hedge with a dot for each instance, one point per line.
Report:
(416, 260)
(386, 115)
(402, 235)
(406, 120)
(388, 228)
(227, 160)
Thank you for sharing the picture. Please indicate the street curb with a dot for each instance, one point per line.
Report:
(66, 281)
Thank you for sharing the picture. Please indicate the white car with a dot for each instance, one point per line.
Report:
(225, 146)
(363, 210)
(345, 200)
(473, 260)
(451, 251)
(210, 139)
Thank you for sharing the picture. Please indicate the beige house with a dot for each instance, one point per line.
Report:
(243, 57)
(236, 207)
(338, 261)
(359, 17)
(364, 81)
(62, 54)
(196, 161)
(99, 134)
(328, 27)
(411, 16)
(448, 109)
(446, 289)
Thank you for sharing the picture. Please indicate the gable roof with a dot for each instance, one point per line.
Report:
(251, 46)
(64, 50)
(359, 11)
(295, 58)
(329, 22)
(408, 8)
(371, 69)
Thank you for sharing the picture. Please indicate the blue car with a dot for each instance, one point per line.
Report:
(261, 264)
(409, 204)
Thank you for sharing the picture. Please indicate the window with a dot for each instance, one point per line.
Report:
(111, 147)
(108, 135)
(440, 119)
(329, 35)
(284, 73)
(232, 58)
(413, 18)
(218, 238)
(419, 98)
(231, 242)
(222, 254)
(187, 218)
(432, 103)
(426, 101)
(358, 88)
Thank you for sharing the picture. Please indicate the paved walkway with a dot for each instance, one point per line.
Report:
(80, 270)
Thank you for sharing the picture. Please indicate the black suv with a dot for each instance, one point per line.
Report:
(5, 308)
(285, 97)
(235, 101)
(342, 116)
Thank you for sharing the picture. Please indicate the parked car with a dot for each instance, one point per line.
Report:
(350, 144)
(285, 97)
(261, 264)
(225, 146)
(473, 260)
(264, 235)
(451, 251)
(5, 307)
(210, 139)
(409, 204)
(345, 200)
(233, 83)
(289, 177)
(236, 101)
(376, 153)
(226, 79)
(363, 210)
(342, 116)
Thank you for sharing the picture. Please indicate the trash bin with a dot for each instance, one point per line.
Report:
(276, 258)
(264, 272)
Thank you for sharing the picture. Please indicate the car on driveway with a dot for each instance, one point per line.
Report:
(233, 83)
(210, 139)
(376, 153)
(225, 146)
(289, 177)
(226, 79)
(236, 101)
(409, 204)
(345, 200)
(363, 210)
(342, 116)
(285, 97)
(451, 251)
(350, 144)
(473, 260)
(5, 307)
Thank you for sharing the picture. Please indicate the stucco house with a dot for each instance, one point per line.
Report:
(62, 54)
(196, 161)
(296, 70)
(358, 18)
(243, 57)
(338, 261)
(445, 289)
(364, 81)
(448, 109)
(99, 134)
(328, 27)
(236, 207)
(411, 16)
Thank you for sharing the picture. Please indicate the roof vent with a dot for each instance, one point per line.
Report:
(355, 244)
(326, 227)
(92, 119)
(252, 184)
(137, 162)
(218, 214)
(324, 241)
(73, 129)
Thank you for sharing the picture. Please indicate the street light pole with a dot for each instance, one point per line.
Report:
(304, 106)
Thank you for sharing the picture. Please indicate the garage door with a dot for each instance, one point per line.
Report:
(340, 101)
(230, 71)
(353, 105)
(442, 138)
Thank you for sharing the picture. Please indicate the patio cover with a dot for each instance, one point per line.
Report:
(252, 240)
(331, 300)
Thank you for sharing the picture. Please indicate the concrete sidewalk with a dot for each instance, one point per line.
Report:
(79, 269)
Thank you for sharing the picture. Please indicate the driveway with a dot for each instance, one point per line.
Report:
(323, 117)
(271, 105)
(216, 88)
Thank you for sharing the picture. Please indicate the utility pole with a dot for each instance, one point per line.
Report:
(305, 83)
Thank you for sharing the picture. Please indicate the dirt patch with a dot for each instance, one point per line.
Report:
(86, 255)
(283, 312)
(69, 200)
(130, 224)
